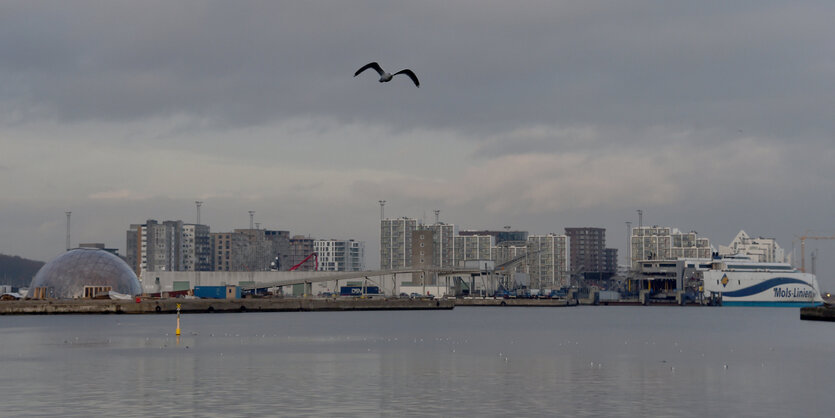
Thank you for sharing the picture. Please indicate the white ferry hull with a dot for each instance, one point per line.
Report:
(763, 288)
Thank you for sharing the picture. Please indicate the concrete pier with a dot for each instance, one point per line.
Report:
(151, 306)
(514, 302)
(818, 313)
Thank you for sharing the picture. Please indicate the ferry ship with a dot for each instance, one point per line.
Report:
(739, 281)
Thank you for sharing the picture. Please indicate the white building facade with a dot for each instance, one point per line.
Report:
(665, 243)
(760, 249)
(340, 255)
(396, 243)
(444, 247)
(196, 248)
(472, 248)
(548, 261)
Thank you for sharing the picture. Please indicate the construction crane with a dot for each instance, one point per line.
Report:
(803, 248)
(315, 260)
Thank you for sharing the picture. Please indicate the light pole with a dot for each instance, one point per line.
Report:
(629, 244)
(640, 226)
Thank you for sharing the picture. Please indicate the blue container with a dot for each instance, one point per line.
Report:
(357, 290)
(210, 292)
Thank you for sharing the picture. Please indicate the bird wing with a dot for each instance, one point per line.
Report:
(373, 65)
(411, 75)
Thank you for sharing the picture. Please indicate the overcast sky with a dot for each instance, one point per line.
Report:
(712, 116)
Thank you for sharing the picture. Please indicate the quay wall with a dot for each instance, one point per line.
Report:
(151, 306)
(514, 302)
(818, 313)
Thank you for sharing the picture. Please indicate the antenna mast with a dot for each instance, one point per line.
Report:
(198, 203)
(68, 230)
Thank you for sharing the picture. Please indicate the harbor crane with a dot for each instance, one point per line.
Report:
(803, 239)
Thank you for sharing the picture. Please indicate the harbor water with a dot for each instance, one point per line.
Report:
(578, 361)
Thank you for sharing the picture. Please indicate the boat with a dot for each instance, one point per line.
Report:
(739, 281)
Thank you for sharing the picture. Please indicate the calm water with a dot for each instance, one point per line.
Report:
(583, 361)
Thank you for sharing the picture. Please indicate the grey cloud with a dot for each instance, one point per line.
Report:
(257, 85)
(760, 67)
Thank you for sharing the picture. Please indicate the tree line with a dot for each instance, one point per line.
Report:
(17, 271)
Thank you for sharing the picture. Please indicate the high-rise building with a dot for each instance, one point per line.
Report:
(300, 248)
(355, 257)
(610, 261)
(340, 255)
(765, 250)
(196, 248)
(225, 249)
(444, 247)
(665, 243)
(506, 252)
(472, 248)
(548, 261)
(423, 256)
(251, 249)
(163, 245)
(280, 247)
(396, 242)
(168, 246)
(133, 248)
(155, 246)
(587, 248)
(518, 237)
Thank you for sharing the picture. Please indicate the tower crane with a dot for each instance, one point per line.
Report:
(803, 239)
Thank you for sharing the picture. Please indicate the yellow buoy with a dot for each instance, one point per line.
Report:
(178, 319)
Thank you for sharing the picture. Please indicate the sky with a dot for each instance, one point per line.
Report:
(711, 116)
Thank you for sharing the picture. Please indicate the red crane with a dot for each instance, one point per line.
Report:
(315, 261)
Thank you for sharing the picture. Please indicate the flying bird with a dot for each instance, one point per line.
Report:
(386, 77)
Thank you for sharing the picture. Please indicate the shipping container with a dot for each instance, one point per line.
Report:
(358, 290)
(210, 292)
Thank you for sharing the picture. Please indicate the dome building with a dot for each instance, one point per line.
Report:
(84, 272)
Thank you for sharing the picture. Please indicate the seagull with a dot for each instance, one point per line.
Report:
(385, 76)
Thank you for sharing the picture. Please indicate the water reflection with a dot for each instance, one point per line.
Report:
(623, 361)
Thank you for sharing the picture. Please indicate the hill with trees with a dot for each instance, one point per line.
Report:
(17, 271)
